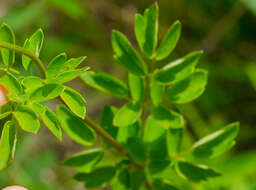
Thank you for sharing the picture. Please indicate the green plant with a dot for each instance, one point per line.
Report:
(144, 136)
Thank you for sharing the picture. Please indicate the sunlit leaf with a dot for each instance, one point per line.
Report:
(34, 45)
(174, 140)
(52, 123)
(75, 128)
(127, 115)
(7, 144)
(178, 70)
(216, 143)
(195, 173)
(105, 83)
(137, 87)
(146, 30)
(10, 82)
(126, 55)
(169, 41)
(188, 89)
(167, 118)
(46, 92)
(156, 92)
(74, 101)
(7, 35)
(27, 119)
(85, 161)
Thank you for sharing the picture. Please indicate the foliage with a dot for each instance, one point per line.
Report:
(147, 131)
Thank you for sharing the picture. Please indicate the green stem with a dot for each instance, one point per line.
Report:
(26, 52)
(111, 140)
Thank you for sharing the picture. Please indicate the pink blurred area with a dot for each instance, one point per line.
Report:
(14, 188)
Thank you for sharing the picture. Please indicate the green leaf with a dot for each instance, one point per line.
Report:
(98, 177)
(106, 83)
(56, 66)
(127, 115)
(74, 101)
(174, 140)
(137, 87)
(39, 109)
(155, 140)
(216, 143)
(167, 118)
(146, 30)
(126, 132)
(27, 119)
(158, 165)
(195, 173)
(86, 160)
(67, 76)
(73, 62)
(137, 179)
(159, 184)
(52, 123)
(106, 122)
(127, 55)
(156, 92)
(136, 148)
(178, 70)
(10, 82)
(34, 45)
(169, 42)
(152, 131)
(123, 180)
(32, 82)
(7, 144)
(75, 128)
(188, 89)
(7, 35)
(46, 92)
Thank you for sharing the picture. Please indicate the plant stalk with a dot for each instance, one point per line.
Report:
(26, 52)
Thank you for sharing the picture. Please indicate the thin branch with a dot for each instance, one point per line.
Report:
(26, 52)
(101, 132)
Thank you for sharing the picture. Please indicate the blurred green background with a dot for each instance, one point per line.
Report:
(224, 29)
